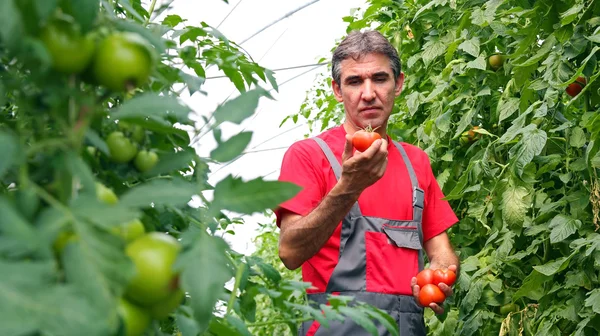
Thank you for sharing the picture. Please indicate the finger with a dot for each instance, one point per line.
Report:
(447, 290)
(415, 288)
(436, 308)
(347, 149)
(372, 150)
(453, 268)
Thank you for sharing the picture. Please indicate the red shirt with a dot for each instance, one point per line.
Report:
(390, 197)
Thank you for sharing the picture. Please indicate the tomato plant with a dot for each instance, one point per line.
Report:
(126, 246)
(362, 139)
(525, 184)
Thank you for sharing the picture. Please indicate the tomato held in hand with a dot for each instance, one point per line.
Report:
(445, 276)
(362, 139)
(425, 277)
(121, 149)
(431, 294)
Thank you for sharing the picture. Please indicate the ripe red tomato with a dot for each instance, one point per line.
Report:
(574, 88)
(444, 275)
(429, 294)
(362, 140)
(425, 277)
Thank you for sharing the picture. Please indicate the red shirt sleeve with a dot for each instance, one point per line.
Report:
(297, 167)
(438, 216)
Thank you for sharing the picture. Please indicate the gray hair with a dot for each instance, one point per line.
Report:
(358, 44)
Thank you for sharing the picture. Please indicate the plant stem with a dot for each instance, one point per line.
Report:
(259, 324)
(150, 11)
(46, 144)
(236, 285)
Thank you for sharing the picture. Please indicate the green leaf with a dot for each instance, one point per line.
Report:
(45, 8)
(360, 319)
(593, 300)
(150, 104)
(531, 145)
(89, 208)
(84, 12)
(172, 20)
(470, 46)
(11, 30)
(205, 270)
(230, 149)
(507, 107)
(81, 171)
(17, 236)
(29, 295)
(472, 297)
(532, 286)
(241, 107)
(238, 324)
(553, 267)
(577, 138)
(168, 163)
(96, 141)
(594, 38)
(514, 206)
(432, 49)
(571, 14)
(159, 192)
(562, 227)
(413, 101)
(478, 63)
(248, 197)
(158, 43)
(465, 121)
(472, 324)
(385, 319)
(542, 52)
(9, 151)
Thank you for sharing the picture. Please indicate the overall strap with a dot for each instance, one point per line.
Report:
(418, 198)
(337, 170)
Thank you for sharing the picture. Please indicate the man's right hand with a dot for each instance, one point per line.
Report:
(362, 169)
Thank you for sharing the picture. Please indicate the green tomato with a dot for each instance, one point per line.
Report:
(163, 309)
(106, 194)
(137, 132)
(145, 160)
(62, 240)
(130, 230)
(123, 61)
(508, 308)
(28, 202)
(135, 319)
(153, 256)
(70, 51)
(121, 149)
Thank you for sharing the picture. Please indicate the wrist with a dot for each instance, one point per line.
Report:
(345, 190)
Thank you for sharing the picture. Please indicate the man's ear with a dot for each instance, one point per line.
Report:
(337, 91)
(399, 84)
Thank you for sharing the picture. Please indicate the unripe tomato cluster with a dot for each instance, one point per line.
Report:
(153, 292)
(429, 280)
(118, 60)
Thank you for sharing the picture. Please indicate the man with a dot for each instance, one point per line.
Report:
(362, 220)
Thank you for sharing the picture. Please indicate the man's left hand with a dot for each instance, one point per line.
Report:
(447, 290)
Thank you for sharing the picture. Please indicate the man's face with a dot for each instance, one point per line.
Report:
(367, 88)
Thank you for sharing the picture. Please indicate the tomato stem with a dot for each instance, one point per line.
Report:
(150, 11)
(238, 279)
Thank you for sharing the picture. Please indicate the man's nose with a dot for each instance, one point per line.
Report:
(368, 93)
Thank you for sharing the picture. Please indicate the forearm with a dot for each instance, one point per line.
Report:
(301, 239)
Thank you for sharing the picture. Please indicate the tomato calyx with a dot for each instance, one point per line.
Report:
(363, 138)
